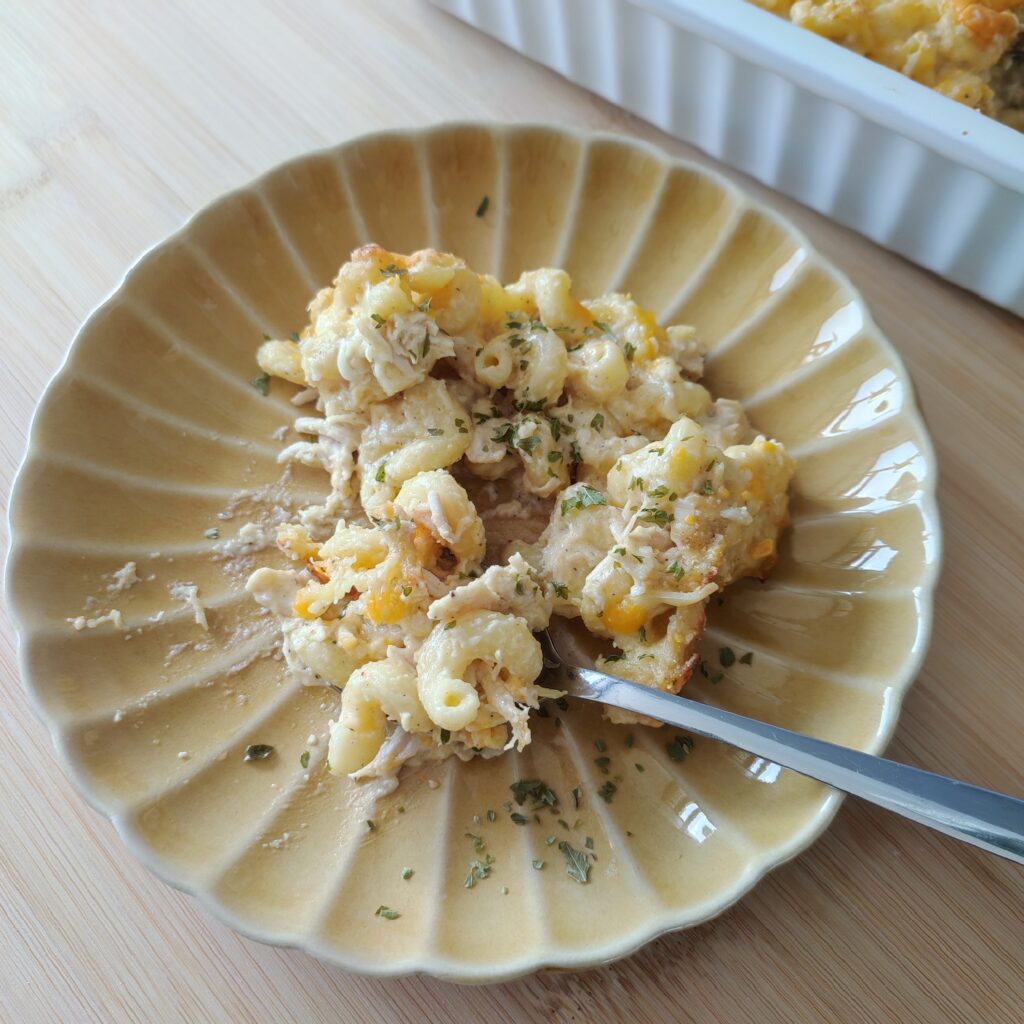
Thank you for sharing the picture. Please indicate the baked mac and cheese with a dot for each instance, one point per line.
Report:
(970, 51)
(499, 454)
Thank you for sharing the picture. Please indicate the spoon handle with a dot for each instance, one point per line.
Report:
(983, 817)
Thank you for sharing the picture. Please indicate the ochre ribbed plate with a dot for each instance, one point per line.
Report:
(151, 430)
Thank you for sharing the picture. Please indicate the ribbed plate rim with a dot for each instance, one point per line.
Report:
(441, 967)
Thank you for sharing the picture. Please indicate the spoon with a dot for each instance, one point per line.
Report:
(982, 817)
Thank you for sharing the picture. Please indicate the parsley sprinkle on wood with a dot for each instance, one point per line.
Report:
(537, 864)
(262, 384)
(304, 759)
(748, 658)
(212, 533)
(726, 657)
(386, 912)
(518, 818)
(258, 752)
(482, 208)
(607, 791)
(407, 873)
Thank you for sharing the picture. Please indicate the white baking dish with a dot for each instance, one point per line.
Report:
(907, 167)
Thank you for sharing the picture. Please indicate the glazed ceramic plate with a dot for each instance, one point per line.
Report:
(151, 435)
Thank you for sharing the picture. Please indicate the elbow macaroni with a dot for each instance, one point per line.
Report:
(499, 455)
(964, 49)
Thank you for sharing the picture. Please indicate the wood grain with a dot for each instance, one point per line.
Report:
(117, 121)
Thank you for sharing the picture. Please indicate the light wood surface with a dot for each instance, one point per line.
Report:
(117, 120)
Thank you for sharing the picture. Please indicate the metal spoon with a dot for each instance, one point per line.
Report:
(982, 817)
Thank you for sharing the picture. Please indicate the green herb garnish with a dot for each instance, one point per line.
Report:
(678, 748)
(304, 759)
(539, 792)
(658, 516)
(482, 208)
(258, 752)
(726, 656)
(584, 496)
(478, 869)
(576, 864)
(262, 384)
(386, 912)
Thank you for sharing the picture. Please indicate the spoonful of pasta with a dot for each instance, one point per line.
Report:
(982, 817)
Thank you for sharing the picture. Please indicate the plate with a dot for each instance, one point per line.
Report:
(151, 437)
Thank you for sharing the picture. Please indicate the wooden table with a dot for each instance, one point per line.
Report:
(117, 124)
